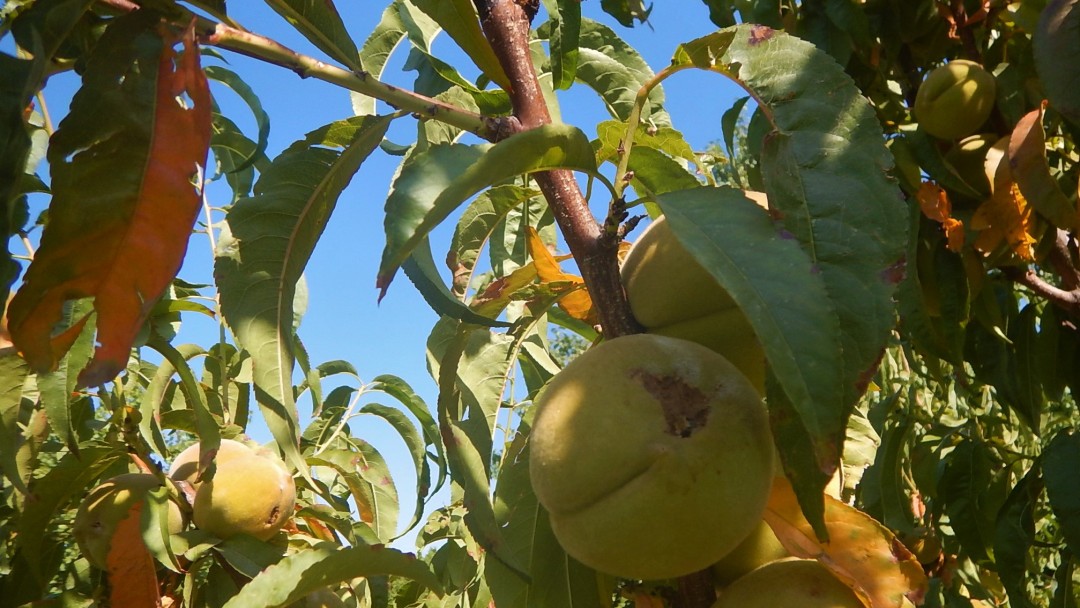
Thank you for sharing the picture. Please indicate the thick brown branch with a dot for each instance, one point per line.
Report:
(1067, 300)
(506, 24)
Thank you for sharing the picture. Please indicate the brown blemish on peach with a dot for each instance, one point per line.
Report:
(685, 407)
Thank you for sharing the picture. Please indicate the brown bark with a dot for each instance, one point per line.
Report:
(506, 24)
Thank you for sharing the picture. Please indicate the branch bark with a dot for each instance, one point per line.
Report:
(506, 25)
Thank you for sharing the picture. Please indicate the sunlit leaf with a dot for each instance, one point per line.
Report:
(13, 372)
(1005, 219)
(862, 553)
(376, 50)
(478, 223)
(365, 473)
(321, 24)
(459, 19)
(577, 303)
(323, 565)
(262, 119)
(564, 31)
(128, 140)
(262, 254)
(58, 387)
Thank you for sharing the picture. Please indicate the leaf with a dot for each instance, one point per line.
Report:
(262, 119)
(1056, 45)
(1014, 536)
(13, 373)
(862, 553)
(365, 473)
(459, 19)
(71, 474)
(376, 51)
(1028, 165)
(132, 579)
(564, 31)
(417, 450)
(626, 11)
(323, 565)
(1005, 219)
(576, 301)
(400, 390)
(434, 182)
(477, 225)
(935, 204)
(129, 141)
(265, 246)
(824, 165)
(610, 134)
(962, 487)
(58, 387)
(1061, 460)
(321, 24)
(421, 270)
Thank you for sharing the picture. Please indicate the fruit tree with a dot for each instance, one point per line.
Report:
(829, 360)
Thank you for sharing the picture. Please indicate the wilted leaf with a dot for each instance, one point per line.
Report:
(1005, 217)
(935, 204)
(130, 142)
(132, 576)
(1028, 166)
(576, 302)
(862, 552)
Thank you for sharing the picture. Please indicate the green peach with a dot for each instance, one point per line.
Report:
(955, 99)
(252, 491)
(758, 549)
(106, 506)
(652, 456)
(672, 295)
(968, 156)
(789, 582)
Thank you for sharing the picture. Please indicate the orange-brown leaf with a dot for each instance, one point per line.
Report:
(1005, 216)
(125, 163)
(132, 575)
(935, 204)
(861, 552)
(577, 303)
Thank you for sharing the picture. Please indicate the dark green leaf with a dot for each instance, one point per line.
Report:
(321, 24)
(478, 223)
(458, 18)
(421, 270)
(962, 484)
(400, 390)
(1015, 534)
(564, 31)
(13, 373)
(58, 387)
(1061, 461)
(262, 119)
(626, 11)
(1057, 56)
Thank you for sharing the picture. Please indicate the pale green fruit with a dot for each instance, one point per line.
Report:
(804, 583)
(106, 506)
(652, 455)
(672, 295)
(758, 549)
(251, 492)
(955, 99)
(968, 156)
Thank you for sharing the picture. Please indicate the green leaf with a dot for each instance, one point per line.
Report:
(1061, 461)
(1057, 56)
(610, 134)
(365, 473)
(458, 18)
(262, 119)
(376, 51)
(323, 565)
(421, 270)
(265, 246)
(962, 485)
(564, 31)
(825, 169)
(58, 387)
(626, 11)
(248, 555)
(721, 12)
(1014, 536)
(13, 373)
(68, 476)
(176, 360)
(478, 223)
(434, 182)
(231, 149)
(321, 24)
(400, 390)
(417, 450)
(656, 173)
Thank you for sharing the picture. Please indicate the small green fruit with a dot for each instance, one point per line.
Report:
(652, 456)
(758, 549)
(672, 295)
(251, 492)
(955, 99)
(968, 158)
(789, 582)
(106, 506)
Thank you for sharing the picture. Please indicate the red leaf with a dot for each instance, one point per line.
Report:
(132, 576)
(125, 165)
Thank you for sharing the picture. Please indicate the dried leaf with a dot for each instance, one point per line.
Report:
(577, 303)
(935, 204)
(1005, 216)
(130, 143)
(862, 552)
(132, 576)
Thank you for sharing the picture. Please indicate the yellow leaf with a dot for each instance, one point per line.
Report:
(576, 302)
(861, 552)
(1005, 216)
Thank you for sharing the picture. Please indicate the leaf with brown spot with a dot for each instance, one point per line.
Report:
(577, 302)
(124, 165)
(861, 552)
(935, 204)
(132, 576)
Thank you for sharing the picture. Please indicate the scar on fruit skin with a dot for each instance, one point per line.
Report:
(685, 407)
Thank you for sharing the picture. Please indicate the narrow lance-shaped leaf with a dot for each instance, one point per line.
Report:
(564, 34)
(323, 565)
(459, 19)
(1061, 460)
(263, 252)
(58, 387)
(262, 119)
(433, 183)
(369, 482)
(1057, 56)
(376, 51)
(321, 24)
(124, 163)
(13, 373)
(824, 164)
(1027, 160)
(1014, 536)
(421, 270)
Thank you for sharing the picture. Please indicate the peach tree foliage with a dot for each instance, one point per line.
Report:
(920, 329)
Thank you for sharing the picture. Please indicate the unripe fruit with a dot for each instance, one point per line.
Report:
(967, 158)
(652, 455)
(955, 99)
(672, 295)
(758, 549)
(789, 582)
(251, 493)
(106, 506)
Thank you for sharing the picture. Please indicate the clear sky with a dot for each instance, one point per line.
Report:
(343, 320)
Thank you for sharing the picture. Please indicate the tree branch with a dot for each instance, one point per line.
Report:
(506, 24)
(1067, 300)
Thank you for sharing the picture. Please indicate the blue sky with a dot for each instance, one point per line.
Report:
(344, 320)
